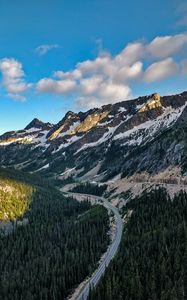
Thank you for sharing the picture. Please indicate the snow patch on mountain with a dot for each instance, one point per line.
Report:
(41, 141)
(42, 168)
(139, 106)
(107, 135)
(148, 129)
(31, 130)
(72, 140)
(122, 109)
(70, 130)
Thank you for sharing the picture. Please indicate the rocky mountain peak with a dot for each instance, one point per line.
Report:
(70, 114)
(114, 139)
(153, 102)
(73, 123)
(156, 97)
(65, 126)
(91, 121)
(36, 123)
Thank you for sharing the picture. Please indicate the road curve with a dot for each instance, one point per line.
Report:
(112, 249)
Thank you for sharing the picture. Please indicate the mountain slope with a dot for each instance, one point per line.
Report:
(15, 198)
(144, 134)
(151, 262)
(41, 235)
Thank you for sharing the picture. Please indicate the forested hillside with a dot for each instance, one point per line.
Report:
(90, 188)
(15, 198)
(58, 247)
(152, 260)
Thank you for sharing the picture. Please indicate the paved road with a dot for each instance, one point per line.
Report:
(111, 250)
(115, 244)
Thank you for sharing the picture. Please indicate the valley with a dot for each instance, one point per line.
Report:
(59, 185)
(93, 150)
(111, 251)
(56, 249)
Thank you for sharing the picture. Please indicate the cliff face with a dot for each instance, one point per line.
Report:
(144, 134)
(153, 103)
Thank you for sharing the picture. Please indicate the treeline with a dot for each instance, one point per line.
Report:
(90, 188)
(152, 260)
(58, 248)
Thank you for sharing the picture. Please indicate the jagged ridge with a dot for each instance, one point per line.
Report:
(121, 138)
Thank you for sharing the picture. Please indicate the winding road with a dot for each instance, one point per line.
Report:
(112, 249)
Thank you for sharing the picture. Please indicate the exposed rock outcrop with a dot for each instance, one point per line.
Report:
(152, 103)
(145, 134)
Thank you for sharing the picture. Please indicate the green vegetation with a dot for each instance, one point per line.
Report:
(58, 247)
(152, 260)
(90, 188)
(15, 198)
(27, 178)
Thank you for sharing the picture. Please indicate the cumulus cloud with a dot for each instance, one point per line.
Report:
(43, 49)
(107, 93)
(130, 54)
(108, 78)
(75, 74)
(160, 70)
(90, 85)
(101, 65)
(165, 46)
(13, 78)
(99, 81)
(48, 85)
(127, 73)
(113, 92)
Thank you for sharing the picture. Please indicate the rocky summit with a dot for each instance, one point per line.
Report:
(147, 134)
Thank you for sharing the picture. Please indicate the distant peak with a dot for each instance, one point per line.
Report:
(70, 114)
(36, 123)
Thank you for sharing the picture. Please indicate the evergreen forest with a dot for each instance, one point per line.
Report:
(46, 258)
(152, 260)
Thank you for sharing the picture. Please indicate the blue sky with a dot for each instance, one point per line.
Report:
(60, 55)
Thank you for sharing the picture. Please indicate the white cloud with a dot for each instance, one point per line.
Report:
(90, 85)
(76, 74)
(108, 78)
(105, 79)
(165, 46)
(13, 78)
(100, 81)
(110, 66)
(130, 54)
(114, 92)
(47, 85)
(102, 64)
(160, 70)
(43, 49)
(127, 73)
(107, 93)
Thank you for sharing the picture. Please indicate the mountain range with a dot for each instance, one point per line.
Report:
(146, 134)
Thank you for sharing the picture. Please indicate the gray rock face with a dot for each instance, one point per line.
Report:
(145, 134)
(35, 123)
